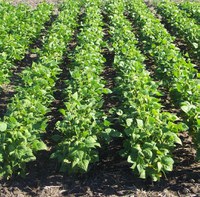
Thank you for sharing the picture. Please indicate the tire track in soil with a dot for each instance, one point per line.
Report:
(8, 90)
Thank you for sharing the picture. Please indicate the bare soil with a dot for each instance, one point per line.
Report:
(110, 177)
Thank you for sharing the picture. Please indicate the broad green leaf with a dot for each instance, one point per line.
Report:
(75, 162)
(91, 142)
(84, 164)
(62, 111)
(188, 107)
(168, 163)
(140, 168)
(39, 145)
(3, 126)
(1, 158)
(107, 91)
(159, 165)
(148, 153)
(134, 164)
(141, 171)
(177, 139)
(195, 45)
(129, 121)
(75, 96)
(129, 159)
(119, 112)
(106, 123)
(140, 123)
(79, 154)
(155, 177)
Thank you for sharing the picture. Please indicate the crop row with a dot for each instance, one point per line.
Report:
(25, 120)
(177, 75)
(184, 27)
(150, 134)
(192, 9)
(12, 16)
(25, 26)
(84, 121)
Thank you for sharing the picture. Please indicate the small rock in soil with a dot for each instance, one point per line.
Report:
(89, 192)
(185, 191)
(192, 181)
(194, 189)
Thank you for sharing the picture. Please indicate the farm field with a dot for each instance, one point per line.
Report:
(99, 98)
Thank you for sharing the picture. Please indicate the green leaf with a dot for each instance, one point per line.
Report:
(75, 96)
(155, 177)
(129, 121)
(143, 174)
(140, 123)
(62, 111)
(195, 45)
(177, 139)
(141, 171)
(134, 164)
(188, 107)
(107, 91)
(1, 158)
(148, 153)
(84, 164)
(159, 165)
(168, 163)
(91, 142)
(119, 112)
(79, 154)
(39, 145)
(108, 130)
(129, 159)
(3, 126)
(106, 123)
(75, 162)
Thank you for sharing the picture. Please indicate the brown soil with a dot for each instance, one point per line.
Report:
(110, 177)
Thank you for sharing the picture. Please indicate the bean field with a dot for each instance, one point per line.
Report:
(102, 96)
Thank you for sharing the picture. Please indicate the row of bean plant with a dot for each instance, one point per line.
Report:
(11, 16)
(25, 120)
(84, 121)
(150, 135)
(184, 27)
(177, 75)
(14, 43)
(192, 9)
